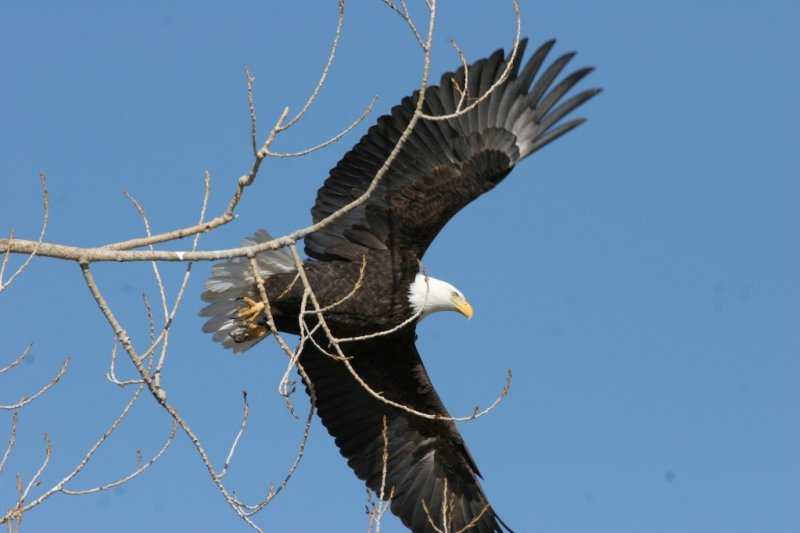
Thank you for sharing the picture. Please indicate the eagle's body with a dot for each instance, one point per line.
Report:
(360, 314)
(364, 270)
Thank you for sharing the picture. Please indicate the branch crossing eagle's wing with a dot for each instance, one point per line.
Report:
(422, 453)
(444, 165)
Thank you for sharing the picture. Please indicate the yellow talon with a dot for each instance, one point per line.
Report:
(251, 313)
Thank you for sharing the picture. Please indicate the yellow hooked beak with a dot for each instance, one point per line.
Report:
(462, 306)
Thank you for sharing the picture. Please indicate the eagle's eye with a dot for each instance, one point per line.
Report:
(453, 294)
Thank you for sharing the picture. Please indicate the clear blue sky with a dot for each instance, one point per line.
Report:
(641, 276)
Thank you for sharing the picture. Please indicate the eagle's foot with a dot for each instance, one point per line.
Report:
(250, 325)
(249, 315)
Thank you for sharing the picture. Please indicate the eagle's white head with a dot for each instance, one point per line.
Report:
(431, 295)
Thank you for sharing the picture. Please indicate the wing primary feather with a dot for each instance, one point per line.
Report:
(564, 109)
(547, 78)
(534, 64)
(556, 133)
(521, 46)
(491, 72)
(558, 91)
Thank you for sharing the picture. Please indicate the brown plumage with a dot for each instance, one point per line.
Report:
(443, 166)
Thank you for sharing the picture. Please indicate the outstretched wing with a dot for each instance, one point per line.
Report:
(422, 453)
(446, 164)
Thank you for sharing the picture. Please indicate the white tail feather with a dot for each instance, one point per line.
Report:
(233, 281)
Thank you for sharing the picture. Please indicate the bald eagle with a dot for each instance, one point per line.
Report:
(365, 270)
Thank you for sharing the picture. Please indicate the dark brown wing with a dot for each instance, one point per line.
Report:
(422, 453)
(444, 165)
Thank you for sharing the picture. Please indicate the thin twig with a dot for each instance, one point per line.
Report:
(86, 458)
(404, 14)
(25, 400)
(156, 271)
(353, 291)
(111, 374)
(17, 512)
(448, 513)
(330, 141)
(251, 103)
(242, 427)
(150, 320)
(462, 92)
(11, 440)
(324, 76)
(6, 256)
(170, 316)
(274, 491)
(18, 360)
(377, 510)
(141, 467)
(38, 243)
